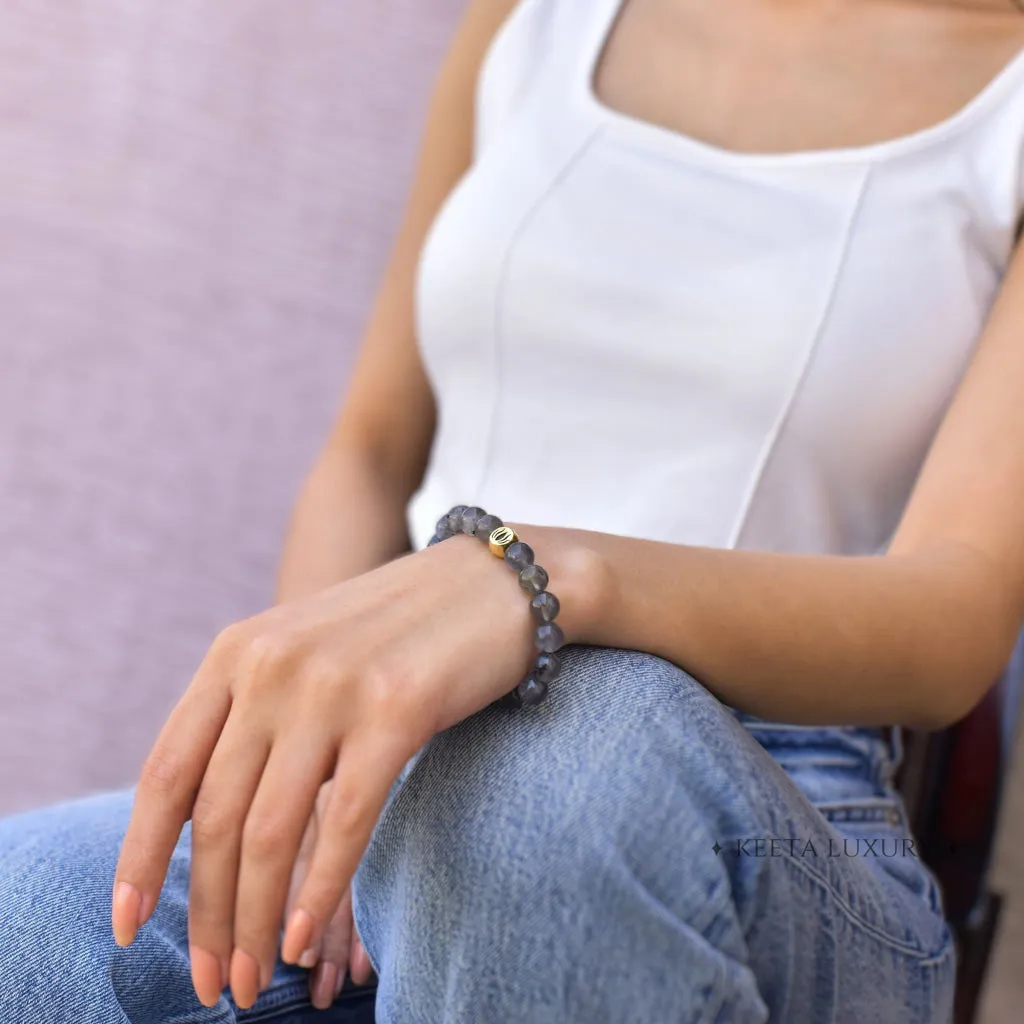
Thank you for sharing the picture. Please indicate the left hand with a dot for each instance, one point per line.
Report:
(346, 684)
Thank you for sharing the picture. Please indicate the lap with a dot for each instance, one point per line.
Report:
(595, 814)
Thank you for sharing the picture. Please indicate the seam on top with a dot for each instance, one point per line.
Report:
(515, 237)
(771, 444)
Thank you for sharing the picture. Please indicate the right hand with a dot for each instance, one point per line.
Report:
(340, 948)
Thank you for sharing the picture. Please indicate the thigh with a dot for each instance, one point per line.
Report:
(625, 822)
(58, 960)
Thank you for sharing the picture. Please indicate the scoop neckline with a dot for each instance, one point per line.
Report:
(669, 140)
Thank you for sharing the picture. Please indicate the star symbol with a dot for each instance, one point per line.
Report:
(716, 848)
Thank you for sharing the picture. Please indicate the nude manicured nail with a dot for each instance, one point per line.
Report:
(308, 958)
(298, 936)
(361, 968)
(245, 979)
(126, 913)
(325, 985)
(209, 975)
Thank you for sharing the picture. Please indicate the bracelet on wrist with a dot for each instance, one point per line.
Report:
(504, 543)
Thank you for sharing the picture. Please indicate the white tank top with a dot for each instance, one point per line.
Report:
(631, 331)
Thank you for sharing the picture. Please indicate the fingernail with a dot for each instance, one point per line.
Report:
(308, 958)
(209, 975)
(297, 936)
(245, 979)
(361, 968)
(339, 984)
(125, 913)
(325, 982)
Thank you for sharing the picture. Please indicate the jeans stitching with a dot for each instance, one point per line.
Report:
(825, 883)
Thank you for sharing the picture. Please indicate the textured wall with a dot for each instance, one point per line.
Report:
(196, 200)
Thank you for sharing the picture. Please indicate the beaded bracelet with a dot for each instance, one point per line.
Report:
(504, 543)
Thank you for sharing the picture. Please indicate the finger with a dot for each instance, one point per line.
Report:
(273, 832)
(326, 981)
(311, 955)
(163, 800)
(359, 966)
(362, 779)
(218, 816)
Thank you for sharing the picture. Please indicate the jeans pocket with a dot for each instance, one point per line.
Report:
(831, 765)
(876, 829)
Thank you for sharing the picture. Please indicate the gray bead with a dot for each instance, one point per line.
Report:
(544, 606)
(510, 700)
(486, 525)
(519, 555)
(443, 529)
(549, 637)
(531, 691)
(454, 517)
(546, 667)
(533, 579)
(469, 519)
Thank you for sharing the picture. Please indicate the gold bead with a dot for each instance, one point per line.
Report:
(500, 539)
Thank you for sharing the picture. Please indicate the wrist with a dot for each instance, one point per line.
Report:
(580, 576)
(538, 555)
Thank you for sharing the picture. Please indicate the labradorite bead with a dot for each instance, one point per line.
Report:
(443, 529)
(486, 525)
(546, 667)
(470, 518)
(519, 555)
(549, 637)
(454, 518)
(544, 606)
(531, 691)
(533, 579)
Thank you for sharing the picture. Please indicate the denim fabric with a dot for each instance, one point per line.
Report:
(58, 960)
(608, 856)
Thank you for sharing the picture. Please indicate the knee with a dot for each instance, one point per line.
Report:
(625, 777)
(522, 844)
(627, 745)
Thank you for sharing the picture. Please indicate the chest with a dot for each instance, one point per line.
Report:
(754, 76)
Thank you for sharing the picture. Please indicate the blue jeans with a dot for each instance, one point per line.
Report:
(632, 850)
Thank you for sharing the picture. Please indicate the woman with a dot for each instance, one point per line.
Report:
(717, 306)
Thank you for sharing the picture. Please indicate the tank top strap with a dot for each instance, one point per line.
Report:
(539, 67)
(585, 28)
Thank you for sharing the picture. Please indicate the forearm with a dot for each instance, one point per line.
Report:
(908, 639)
(349, 518)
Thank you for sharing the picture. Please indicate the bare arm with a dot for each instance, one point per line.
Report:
(912, 637)
(350, 514)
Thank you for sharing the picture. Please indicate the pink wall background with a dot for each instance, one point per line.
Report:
(196, 200)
